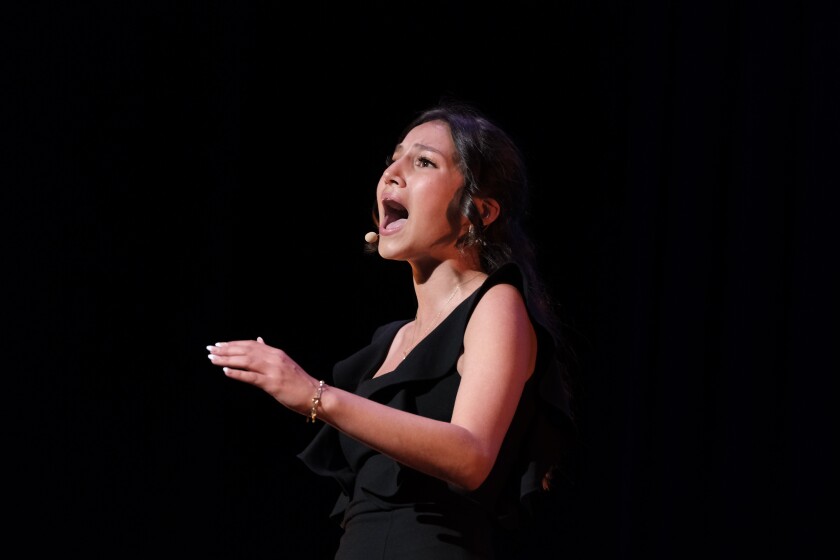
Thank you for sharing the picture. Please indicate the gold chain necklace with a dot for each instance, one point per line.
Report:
(439, 313)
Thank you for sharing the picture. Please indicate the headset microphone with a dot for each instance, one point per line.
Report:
(371, 237)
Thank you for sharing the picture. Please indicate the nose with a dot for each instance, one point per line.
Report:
(391, 177)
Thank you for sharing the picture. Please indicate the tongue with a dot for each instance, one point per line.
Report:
(397, 224)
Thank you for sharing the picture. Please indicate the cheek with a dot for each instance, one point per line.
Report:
(439, 219)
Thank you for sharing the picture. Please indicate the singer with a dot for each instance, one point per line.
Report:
(446, 431)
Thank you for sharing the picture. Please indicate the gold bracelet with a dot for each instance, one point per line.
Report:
(316, 400)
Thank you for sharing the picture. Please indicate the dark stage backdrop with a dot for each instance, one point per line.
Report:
(178, 173)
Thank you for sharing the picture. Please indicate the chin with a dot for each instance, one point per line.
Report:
(389, 255)
(389, 251)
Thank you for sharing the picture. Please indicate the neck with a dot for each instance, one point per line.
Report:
(439, 304)
(442, 285)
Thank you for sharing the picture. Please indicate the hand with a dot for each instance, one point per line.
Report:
(271, 369)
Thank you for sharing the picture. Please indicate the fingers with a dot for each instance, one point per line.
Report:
(242, 362)
(241, 354)
(241, 375)
(229, 355)
(234, 347)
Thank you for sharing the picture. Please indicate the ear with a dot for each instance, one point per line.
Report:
(489, 210)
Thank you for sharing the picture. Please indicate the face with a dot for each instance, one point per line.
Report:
(418, 212)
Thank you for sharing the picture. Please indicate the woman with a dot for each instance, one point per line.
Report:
(441, 429)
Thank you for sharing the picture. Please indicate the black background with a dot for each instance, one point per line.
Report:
(178, 173)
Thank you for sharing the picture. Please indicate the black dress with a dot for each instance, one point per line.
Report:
(390, 511)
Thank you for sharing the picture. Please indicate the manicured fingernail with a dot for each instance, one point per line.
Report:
(212, 357)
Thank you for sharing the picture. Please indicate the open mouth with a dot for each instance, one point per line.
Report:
(394, 215)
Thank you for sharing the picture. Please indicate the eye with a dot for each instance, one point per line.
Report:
(425, 162)
(389, 159)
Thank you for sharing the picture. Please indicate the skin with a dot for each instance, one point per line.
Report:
(499, 343)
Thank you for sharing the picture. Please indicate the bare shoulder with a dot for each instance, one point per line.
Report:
(501, 311)
(501, 298)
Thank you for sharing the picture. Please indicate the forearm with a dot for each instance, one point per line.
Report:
(440, 449)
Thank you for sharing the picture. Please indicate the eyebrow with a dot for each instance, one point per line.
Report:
(399, 147)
